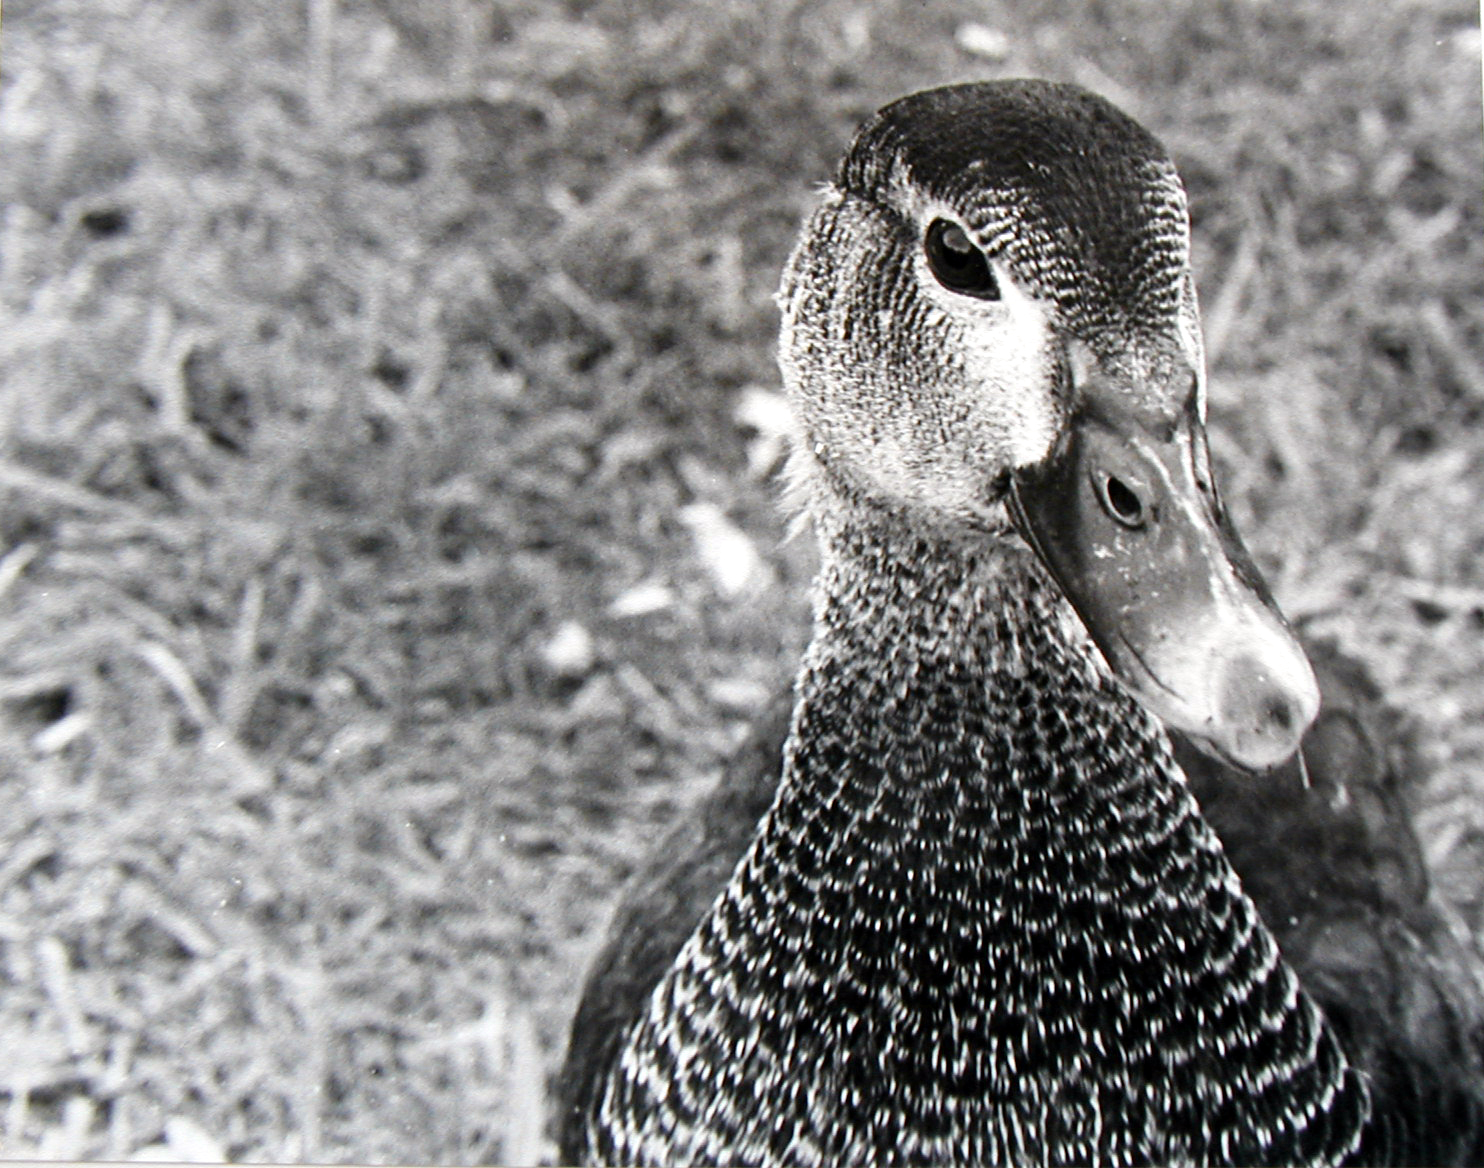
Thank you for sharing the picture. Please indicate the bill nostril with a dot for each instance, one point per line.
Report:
(1123, 502)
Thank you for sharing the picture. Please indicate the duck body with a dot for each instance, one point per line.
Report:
(975, 915)
(1326, 851)
(978, 924)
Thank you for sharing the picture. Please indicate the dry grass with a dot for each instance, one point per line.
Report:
(372, 376)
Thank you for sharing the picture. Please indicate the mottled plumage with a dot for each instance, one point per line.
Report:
(981, 918)
(1327, 854)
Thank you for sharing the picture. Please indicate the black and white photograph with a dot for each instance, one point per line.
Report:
(836, 583)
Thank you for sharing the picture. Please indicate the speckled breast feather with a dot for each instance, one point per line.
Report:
(983, 922)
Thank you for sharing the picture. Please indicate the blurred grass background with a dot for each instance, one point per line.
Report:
(388, 546)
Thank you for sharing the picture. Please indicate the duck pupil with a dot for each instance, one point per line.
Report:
(957, 264)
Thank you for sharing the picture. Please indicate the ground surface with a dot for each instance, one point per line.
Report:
(388, 545)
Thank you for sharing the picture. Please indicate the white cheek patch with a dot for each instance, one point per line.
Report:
(1010, 363)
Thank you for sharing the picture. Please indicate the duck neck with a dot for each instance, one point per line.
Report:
(983, 884)
(948, 666)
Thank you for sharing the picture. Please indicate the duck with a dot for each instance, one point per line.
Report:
(961, 897)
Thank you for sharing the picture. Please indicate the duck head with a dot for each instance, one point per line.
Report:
(990, 323)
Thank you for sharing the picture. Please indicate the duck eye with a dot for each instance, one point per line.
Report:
(1122, 502)
(958, 265)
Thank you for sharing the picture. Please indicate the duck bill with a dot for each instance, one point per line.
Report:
(1125, 516)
